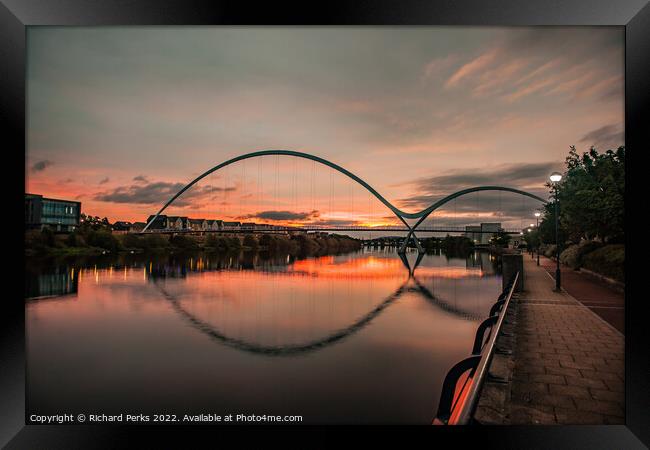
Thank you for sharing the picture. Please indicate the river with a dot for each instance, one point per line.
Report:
(352, 338)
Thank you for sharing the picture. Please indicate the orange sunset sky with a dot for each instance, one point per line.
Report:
(122, 118)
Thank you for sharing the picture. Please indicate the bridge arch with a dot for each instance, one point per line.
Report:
(427, 211)
(402, 215)
(325, 341)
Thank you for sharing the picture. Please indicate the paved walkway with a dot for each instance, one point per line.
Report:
(567, 363)
(602, 299)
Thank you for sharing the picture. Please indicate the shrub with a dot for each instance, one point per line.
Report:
(608, 261)
(570, 256)
(574, 255)
(222, 243)
(75, 240)
(103, 239)
(36, 241)
(306, 245)
(183, 242)
(47, 237)
(250, 242)
(549, 252)
(233, 243)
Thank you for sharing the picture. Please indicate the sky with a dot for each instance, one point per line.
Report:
(122, 118)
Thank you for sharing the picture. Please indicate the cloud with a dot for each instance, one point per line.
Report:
(437, 66)
(605, 138)
(430, 189)
(526, 62)
(281, 215)
(158, 192)
(40, 166)
(140, 179)
(472, 67)
(104, 180)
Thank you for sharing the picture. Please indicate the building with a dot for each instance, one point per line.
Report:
(137, 226)
(488, 230)
(198, 224)
(121, 227)
(177, 223)
(56, 214)
(248, 226)
(159, 224)
(473, 233)
(215, 225)
(231, 226)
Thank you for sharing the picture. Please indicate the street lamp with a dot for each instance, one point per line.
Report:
(555, 179)
(537, 214)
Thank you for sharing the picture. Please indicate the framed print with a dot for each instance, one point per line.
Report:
(380, 214)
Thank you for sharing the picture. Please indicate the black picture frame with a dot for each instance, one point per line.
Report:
(16, 15)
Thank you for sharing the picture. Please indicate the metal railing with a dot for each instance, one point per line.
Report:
(457, 405)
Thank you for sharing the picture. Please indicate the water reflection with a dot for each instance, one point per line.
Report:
(325, 337)
(58, 281)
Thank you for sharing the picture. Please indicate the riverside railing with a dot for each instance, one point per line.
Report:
(464, 381)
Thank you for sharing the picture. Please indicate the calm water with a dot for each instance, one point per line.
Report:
(348, 338)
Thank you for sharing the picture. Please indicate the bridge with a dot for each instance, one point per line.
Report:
(315, 228)
(419, 216)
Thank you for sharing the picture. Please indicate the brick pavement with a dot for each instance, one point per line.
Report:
(602, 299)
(567, 363)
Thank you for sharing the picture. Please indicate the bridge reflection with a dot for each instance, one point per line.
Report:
(410, 284)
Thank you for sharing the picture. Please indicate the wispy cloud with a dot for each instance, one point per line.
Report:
(511, 71)
(605, 138)
(476, 65)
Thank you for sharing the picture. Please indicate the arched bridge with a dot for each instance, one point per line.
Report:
(401, 215)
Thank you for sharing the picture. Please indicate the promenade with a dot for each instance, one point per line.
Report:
(566, 364)
(602, 299)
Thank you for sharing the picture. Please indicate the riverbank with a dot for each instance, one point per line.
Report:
(566, 363)
(38, 244)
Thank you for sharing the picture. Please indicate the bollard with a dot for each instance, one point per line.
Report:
(510, 265)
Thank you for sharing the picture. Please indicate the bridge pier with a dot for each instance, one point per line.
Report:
(409, 236)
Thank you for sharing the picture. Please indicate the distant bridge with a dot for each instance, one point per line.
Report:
(313, 229)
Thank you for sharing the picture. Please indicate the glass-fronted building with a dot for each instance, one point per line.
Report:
(58, 215)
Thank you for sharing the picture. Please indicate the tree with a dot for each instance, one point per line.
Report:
(88, 223)
(591, 196)
(500, 239)
(532, 238)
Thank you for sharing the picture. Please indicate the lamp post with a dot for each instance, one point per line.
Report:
(537, 214)
(555, 179)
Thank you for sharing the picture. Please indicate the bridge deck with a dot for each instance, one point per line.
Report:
(335, 229)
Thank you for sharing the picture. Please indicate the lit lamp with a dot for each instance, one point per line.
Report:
(555, 179)
(537, 214)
